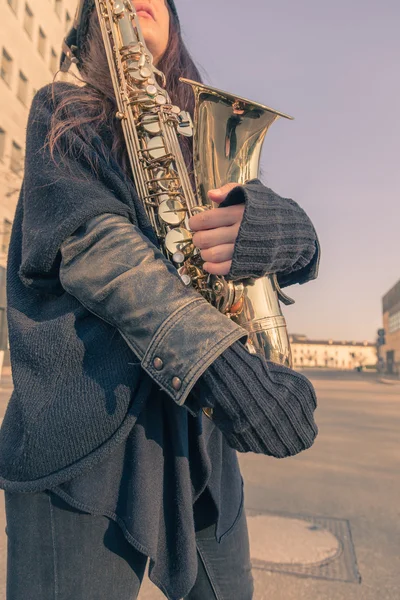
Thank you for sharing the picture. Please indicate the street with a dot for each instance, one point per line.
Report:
(325, 519)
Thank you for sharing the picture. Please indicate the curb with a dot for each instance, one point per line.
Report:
(388, 381)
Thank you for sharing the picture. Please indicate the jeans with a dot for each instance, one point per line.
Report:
(56, 552)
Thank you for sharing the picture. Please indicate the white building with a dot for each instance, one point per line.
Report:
(31, 33)
(332, 354)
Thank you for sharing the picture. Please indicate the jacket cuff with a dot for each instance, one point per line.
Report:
(203, 332)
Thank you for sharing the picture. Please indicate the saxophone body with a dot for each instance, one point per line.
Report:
(228, 135)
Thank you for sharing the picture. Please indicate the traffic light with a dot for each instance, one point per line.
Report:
(381, 337)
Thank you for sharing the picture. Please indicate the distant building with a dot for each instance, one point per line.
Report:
(390, 351)
(31, 32)
(332, 354)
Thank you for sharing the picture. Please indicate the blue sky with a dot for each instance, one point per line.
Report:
(334, 67)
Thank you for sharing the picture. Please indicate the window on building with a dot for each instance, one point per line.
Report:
(58, 7)
(22, 92)
(394, 322)
(16, 158)
(2, 142)
(53, 61)
(13, 4)
(42, 42)
(5, 235)
(67, 21)
(28, 21)
(6, 67)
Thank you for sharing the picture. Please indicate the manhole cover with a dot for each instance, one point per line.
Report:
(281, 540)
(317, 547)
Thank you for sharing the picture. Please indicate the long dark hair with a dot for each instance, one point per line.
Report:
(94, 103)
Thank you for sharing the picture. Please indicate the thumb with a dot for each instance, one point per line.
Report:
(218, 195)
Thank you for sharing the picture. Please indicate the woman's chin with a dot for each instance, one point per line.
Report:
(152, 38)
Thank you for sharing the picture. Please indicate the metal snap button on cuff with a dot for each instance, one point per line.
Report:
(176, 383)
(158, 363)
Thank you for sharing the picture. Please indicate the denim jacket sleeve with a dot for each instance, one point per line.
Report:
(121, 277)
(275, 236)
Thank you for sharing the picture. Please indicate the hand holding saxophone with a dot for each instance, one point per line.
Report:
(216, 231)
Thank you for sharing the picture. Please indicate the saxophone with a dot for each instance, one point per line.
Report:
(228, 135)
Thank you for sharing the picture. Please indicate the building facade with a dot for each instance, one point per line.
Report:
(332, 354)
(31, 32)
(390, 351)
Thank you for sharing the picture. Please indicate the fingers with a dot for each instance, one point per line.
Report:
(221, 193)
(219, 217)
(218, 254)
(215, 237)
(218, 268)
(216, 231)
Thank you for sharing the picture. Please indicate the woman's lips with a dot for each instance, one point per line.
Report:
(144, 13)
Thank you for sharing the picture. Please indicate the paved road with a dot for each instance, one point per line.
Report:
(352, 472)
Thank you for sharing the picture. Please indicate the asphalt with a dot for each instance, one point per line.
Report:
(351, 474)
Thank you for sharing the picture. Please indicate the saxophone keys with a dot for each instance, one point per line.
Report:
(162, 178)
(156, 148)
(238, 301)
(178, 258)
(151, 91)
(185, 124)
(179, 240)
(184, 275)
(134, 74)
(160, 100)
(151, 124)
(145, 73)
(186, 279)
(172, 212)
(135, 49)
(222, 292)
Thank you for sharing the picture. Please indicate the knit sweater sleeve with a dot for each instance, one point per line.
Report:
(260, 406)
(275, 236)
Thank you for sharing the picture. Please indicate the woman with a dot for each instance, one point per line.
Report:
(105, 456)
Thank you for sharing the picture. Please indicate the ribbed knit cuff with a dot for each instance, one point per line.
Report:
(260, 407)
(275, 236)
(303, 275)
